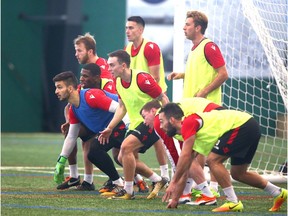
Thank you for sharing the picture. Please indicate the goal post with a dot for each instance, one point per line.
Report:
(252, 35)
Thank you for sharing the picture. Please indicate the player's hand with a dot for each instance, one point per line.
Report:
(173, 203)
(103, 138)
(59, 170)
(65, 128)
(202, 93)
(174, 76)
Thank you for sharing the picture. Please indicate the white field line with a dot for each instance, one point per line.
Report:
(50, 170)
(18, 168)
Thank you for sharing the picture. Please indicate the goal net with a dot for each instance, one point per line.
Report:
(252, 35)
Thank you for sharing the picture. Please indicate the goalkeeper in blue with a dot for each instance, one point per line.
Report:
(219, 135)
(93, 108)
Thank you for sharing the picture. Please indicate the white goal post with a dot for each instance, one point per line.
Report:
(252, 35)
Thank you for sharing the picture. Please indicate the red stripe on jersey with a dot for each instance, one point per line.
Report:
(233, 135)
(211, 106)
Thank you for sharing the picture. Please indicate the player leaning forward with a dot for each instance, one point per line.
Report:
(219, 134)
(93, 108)
(135, 88)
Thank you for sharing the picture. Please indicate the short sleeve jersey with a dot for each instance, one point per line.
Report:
(93, 110)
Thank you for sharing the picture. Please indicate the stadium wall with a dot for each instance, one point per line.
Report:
(29, 61)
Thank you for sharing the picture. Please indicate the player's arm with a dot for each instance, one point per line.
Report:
(148, 85)
(70, 140)
(152, 54)
(163, 99)
(118, 116)
(155, 72)
(175, 76)
(190, 126)
(69, 144)
(177, 184)
(97, 99)
(215, 58)
(222, 76)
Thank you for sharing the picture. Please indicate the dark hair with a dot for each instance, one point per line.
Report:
(67, 77)
(122, 55)
(199, 18)
(150, 105)
(137, 19)
(93, 68)
(172, 110)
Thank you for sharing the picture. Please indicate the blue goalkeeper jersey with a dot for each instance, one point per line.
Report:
(94, 119)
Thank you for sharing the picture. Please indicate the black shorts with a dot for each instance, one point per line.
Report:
(145, 135)
(240, 144)
(115, 140)
(85, 134)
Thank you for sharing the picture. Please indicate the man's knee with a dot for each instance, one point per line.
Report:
(210, 161)
(130, 145)
(215, 159)
(235, 175)
(238, 172)
(90, 156)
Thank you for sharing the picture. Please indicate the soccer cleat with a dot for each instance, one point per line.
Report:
(107, 186)
(114, 190)
(143, 187)
(279, 200)
(230, 207)
(196, 193)
(215, 193)
(158, 186)
(203, 200)
(85, 186)
(69, 182)
(153, 186)
(184, 198)
(122, 194)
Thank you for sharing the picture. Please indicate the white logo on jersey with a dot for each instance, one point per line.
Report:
(109, 87)
(216, 145)
(137, 131)
(147, 82)
(213, 47)
(151, 45)
(102, 66)
(91, 96)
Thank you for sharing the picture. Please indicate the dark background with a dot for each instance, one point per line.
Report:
(37, 43)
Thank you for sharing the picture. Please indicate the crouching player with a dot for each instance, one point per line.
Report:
(191, 105)
(93, 108)
(219, 134)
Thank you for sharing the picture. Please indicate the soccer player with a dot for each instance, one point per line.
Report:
(90, 78)
(85, 52)
(218, 134)
(146, 56)
(135, 88)
(92, 108)
(174, 145)
(205, 70)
